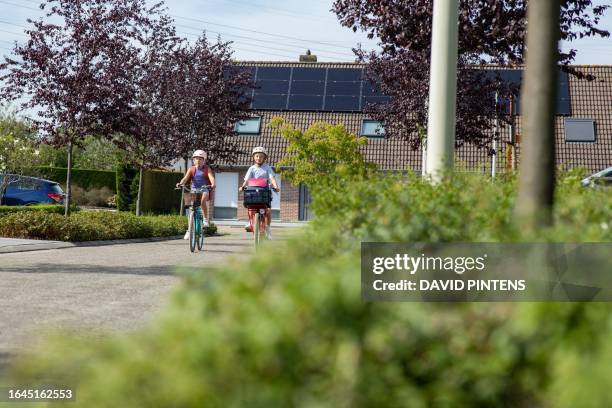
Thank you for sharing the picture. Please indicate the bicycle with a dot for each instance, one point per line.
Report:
(196, 218)
(257, 199)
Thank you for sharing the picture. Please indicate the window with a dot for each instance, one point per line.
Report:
(249, 126)
(372, 128)
(579, 130)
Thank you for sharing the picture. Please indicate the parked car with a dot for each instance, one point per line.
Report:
(23, 190)
(600, 179)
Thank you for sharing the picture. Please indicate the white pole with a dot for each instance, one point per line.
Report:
(442, 88)
(494, 158)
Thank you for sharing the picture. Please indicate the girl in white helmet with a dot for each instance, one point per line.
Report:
(261, 170)
(199, 175)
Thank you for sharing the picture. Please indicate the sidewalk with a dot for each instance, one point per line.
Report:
(8, 245)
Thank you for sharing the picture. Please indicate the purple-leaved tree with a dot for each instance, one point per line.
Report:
(490, 32)
(73, 69)
(209, 100)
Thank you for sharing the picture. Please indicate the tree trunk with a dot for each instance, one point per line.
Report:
(68, 181)
(537, 172)
(139, 199)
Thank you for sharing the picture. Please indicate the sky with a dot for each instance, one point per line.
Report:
(272, 30)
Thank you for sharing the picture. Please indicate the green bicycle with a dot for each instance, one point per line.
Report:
(196, 218)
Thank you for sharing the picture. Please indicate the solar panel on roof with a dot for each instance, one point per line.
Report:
(275, 73)
(305, 102)
(344, 74)
(309, 74)
(265, 86)
(341, 103)
(269, 102)
(308, 87)
(343, 88)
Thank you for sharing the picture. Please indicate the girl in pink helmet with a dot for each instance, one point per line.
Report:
(199, 175)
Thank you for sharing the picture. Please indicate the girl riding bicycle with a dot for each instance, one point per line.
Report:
(199, 175)
(260, 170)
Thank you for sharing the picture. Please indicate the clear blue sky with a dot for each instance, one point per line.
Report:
(271, 30)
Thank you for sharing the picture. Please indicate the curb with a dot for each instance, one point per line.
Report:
(34, 246)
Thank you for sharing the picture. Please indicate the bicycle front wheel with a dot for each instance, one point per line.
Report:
(192, 232)
(200, 232)
(256, 227)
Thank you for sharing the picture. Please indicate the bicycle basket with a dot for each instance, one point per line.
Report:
(257, 196)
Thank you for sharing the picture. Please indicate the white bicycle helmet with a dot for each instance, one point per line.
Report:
(259, 149)
(199, 153)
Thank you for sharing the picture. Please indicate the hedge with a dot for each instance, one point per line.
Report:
(47, 208)
(92, 226)
(159, 194)
(84, 178)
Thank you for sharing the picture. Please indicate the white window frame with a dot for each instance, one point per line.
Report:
(380, 126)
(243, 122)
(576, 120)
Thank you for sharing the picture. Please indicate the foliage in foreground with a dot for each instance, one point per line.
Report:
(91, 226)
(272, 333)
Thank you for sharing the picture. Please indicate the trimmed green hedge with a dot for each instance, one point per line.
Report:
(84, 178)
(159, 194)
(47, 208)
(91, 226)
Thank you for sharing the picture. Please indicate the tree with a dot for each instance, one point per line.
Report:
(147, 123)
(490, 32)
(209, 99)
(537, 174)
(322, 150)
(73, 68)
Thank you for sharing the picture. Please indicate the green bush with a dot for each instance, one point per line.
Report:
(84, 178)
(91, 226)
(47, 208)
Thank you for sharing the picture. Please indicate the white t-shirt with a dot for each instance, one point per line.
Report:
(261, 172)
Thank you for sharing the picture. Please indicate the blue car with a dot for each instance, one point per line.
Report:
(23, 190)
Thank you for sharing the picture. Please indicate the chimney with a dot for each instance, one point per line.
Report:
(308, 57)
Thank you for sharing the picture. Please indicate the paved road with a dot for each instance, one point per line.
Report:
(116, 287)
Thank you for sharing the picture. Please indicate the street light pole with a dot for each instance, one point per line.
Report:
(442, 89)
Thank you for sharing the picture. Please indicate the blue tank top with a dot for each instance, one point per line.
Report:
(200, 178)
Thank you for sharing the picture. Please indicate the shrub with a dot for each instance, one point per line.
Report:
(47, 208)
(91, 226)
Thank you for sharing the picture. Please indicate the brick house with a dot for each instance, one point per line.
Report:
(306, 92)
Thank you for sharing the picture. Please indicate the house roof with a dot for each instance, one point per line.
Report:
(588, 100)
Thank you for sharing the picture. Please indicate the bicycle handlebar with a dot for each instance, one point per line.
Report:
(194, 190)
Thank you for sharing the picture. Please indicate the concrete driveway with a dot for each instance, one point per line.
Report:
(109, 287)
